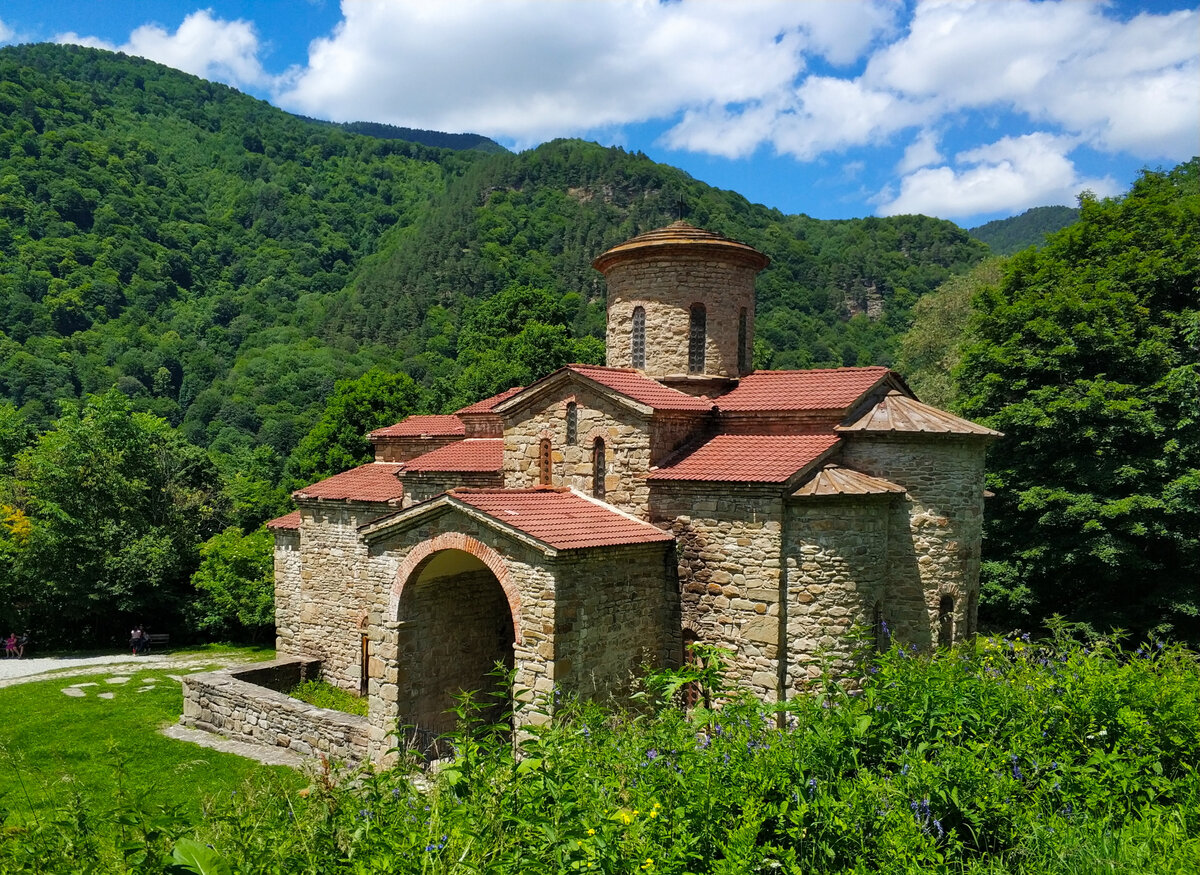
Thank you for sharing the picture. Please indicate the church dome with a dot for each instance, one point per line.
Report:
(681, 307)
(681, 236)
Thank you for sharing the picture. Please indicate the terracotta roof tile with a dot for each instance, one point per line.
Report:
(899, 413)
(437, 425)
(472, 454)
(287, 521)
(828, 389)
(487, 404)
(636, 385)
(836, 480)
(676, 235)
(561, 518)
(749, 458)
(375, 481)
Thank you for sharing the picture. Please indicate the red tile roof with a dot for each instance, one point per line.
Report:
(472, 454)
(287, 521)
(487, 404)
(636, 385)
(836, 480)
(828, 389)
(749, 458)
(899, 413)
(561, 518)
(375, 481)
(421, 426)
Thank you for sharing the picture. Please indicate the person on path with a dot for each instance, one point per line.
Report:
(10, 646)
(21, 642)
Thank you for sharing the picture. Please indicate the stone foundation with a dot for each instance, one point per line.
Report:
(247, 704)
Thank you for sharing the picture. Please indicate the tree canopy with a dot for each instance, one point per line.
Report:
(1087, 356)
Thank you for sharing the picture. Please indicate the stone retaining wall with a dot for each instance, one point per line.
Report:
(246, 704)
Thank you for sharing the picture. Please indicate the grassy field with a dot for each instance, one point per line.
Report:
(55, 747)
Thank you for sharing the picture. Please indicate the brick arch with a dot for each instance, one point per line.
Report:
(423, 552)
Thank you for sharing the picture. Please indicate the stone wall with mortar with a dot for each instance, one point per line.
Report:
(835, 559)
(670, 432)
(231, 703)
(423, 485)
(626, 438)
(401, 449)
(729, 571)
(618, 612)
(325, 615)
(935, 533)
(666, 287)
(287, 589)
(396, 661)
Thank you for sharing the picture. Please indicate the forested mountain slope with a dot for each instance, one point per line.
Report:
(1011, 235)
(223, 262)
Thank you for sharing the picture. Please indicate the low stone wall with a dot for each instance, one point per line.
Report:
(247, 704)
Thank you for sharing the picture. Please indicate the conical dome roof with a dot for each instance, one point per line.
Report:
(681, 236)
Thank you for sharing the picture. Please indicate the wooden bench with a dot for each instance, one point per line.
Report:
(159, 639)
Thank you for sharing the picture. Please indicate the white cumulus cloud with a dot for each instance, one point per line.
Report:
(7, 34)
(1010, 174)
(204, 45)
(528, 70)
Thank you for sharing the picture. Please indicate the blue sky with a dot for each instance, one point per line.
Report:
(965, 109)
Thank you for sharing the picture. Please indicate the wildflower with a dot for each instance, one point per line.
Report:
(1016, 769)
(364, 813)
(904, 770)
(396, 793)
(812, 787)
(591, 832)
(649, 864)
(651, 754)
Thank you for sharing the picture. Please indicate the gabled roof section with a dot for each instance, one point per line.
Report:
(646, 394)
(375, 481)
(436, 425)
(823, 389)
(898, 413)
(749, 458)
(553, 519)
(286, 522)
(835, 480)
(561, 518)
(470, 455)
(487, 405)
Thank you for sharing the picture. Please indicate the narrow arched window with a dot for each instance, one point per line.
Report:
(880, 629)
(637, 342)
(743, 343)
(946, 622)
(696, 339)
(598, 468)
(544, 462)
(572, 422)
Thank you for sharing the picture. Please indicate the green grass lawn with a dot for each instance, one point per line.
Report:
(53, 746)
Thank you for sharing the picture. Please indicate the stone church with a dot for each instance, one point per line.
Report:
(602, 518)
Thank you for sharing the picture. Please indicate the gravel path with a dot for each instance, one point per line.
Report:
(20, 671)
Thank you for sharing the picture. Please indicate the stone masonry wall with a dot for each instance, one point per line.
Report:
(618, 612)
(230, 703)
(626, 445)
(667, 287)
(669, 433)
(401, 449)
(287, 589)
(392, 678)
(326, 615)
(835, 555)
(935, 533)
(729, 571)
(423, 485)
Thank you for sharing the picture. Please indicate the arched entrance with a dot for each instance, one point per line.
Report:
(456, 624)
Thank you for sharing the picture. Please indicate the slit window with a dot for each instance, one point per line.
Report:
(696, 339)
(598, 468)
(637, 341)
(743, 346)
(572, 422)
(544, 462)
(946, 621)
